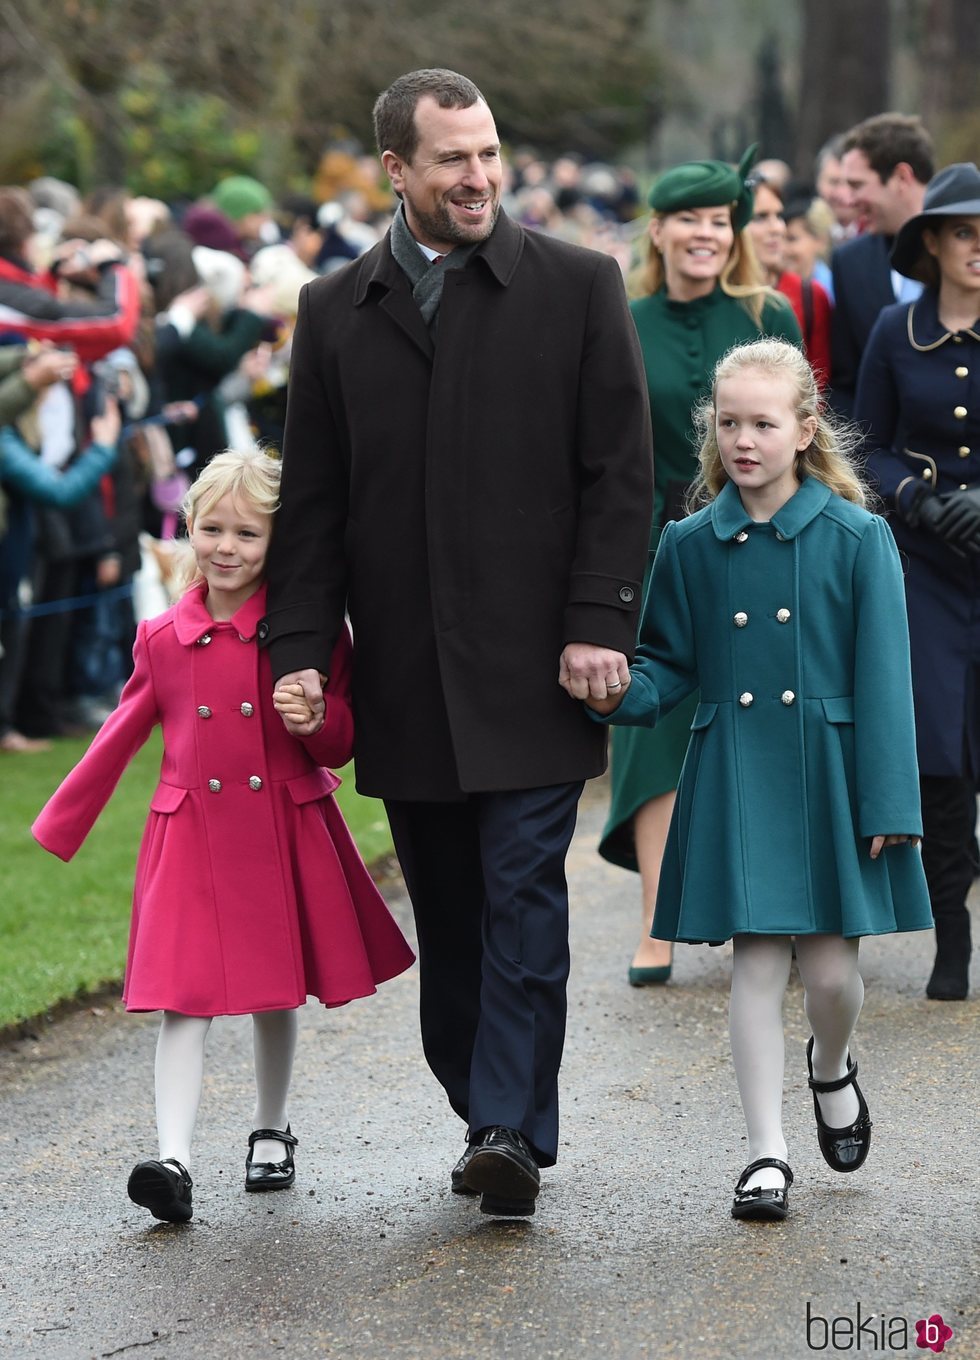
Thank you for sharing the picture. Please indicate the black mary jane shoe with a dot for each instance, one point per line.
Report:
(760, 1203)
(270, 1175)
(162, 1187)
(844, 1149)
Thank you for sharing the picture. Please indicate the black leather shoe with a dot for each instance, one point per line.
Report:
(759, 1203)
(502, 1169)
(459, 1186)
(162, 1187)
(843, 1149)
(270, 1175)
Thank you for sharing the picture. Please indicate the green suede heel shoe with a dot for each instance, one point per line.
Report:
(649, 977)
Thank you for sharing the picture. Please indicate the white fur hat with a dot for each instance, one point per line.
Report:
(222, 275)
(282, 267)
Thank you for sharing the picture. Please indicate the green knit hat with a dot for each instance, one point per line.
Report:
(706, 184)
(239, 195)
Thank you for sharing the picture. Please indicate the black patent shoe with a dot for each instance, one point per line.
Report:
(456, 1181)
(270, 1175)
(502, 1169)
(162, 1187)
(844, 1149)
(760, 1203)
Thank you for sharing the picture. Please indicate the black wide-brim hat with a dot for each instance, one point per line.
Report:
(954, 192)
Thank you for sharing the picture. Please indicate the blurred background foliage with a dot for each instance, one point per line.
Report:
(168, 98)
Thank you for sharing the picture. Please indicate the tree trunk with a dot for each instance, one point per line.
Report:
(845, 61)
(950, 58)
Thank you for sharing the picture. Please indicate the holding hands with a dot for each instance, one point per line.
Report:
(298, 699)
(596, 675)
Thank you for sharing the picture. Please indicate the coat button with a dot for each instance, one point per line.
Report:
(962, 372)
(780, 538)
(927, 474)
(746, 699)
(626, 594)
(254, 783)
(247, 710)
(214, 785)
(263, 631)
(960, 412)
(204, 639)
(242, 638)
(741, 537)
(964, 450)
(783, 615)
(788, 697)
(204, 711)
(740, 619)
(964, 486)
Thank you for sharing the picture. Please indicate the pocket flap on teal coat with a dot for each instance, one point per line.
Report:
(839, 710)
(703, 716)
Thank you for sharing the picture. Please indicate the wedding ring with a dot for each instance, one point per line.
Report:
(617, 685)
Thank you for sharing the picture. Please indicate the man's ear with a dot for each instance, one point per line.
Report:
(394, 168)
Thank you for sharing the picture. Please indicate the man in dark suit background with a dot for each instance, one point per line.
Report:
(886, 162)
(467, 468)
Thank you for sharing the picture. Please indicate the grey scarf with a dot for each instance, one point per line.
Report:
(426, 279)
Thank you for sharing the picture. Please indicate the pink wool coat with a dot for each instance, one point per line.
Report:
(250, 894)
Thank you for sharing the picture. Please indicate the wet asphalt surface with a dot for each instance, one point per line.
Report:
(632, 1251)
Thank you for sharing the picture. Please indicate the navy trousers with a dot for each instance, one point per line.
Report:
(487, 881)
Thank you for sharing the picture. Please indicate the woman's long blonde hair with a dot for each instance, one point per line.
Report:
(249, 476)
(830, 455)
(740, 278)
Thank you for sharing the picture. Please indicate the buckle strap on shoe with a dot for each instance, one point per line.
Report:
(758, 1165)
(839, 1084)
(181, 1168)
(273, 1135)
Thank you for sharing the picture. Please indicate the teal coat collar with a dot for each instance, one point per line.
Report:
(729, 517)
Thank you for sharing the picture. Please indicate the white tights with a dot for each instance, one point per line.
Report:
(179, 1074)
(833, 993)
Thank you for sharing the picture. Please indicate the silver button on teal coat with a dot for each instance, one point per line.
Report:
(803, 745)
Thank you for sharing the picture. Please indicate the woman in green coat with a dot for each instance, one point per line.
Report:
(797, 813)
(703, 294)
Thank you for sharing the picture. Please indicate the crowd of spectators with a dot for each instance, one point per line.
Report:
(137, 338)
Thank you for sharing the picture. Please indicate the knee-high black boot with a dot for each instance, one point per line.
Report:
(949, 813)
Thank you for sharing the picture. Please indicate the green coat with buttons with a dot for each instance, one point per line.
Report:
(803, 742)
(681, 343)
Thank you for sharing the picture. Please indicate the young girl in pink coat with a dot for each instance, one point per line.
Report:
(250, 894)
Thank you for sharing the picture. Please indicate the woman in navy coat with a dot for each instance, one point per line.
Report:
(918, 397)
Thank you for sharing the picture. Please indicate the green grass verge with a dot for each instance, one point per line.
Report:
(64, 927)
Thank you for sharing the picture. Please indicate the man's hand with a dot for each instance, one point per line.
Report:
(595, 674)
(310, 685)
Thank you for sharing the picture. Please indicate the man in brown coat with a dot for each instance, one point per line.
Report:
(467, 469)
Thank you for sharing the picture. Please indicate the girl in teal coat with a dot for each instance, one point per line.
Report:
(797, 814)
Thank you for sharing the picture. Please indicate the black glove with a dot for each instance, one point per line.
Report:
(959, 519)
(926, 510)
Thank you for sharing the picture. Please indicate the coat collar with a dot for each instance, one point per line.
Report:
(729, 517)
(925, 330)
(500, 253)
(192, 620)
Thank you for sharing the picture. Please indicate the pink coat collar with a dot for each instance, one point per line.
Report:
(192, 620)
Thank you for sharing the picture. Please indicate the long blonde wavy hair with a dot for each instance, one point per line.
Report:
(250, 476)
(740, 278)
(830, 456)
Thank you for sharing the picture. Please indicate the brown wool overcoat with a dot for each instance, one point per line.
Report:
(475, 502)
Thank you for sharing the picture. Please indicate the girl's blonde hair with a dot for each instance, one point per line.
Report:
(830, 455)
(249, 476)
(740, 278)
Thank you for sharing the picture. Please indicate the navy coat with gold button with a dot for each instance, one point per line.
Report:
(802, 746)
(918, 400)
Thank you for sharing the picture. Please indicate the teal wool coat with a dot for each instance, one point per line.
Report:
(803, 743)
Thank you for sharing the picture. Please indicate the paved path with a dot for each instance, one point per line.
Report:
(632, 1252)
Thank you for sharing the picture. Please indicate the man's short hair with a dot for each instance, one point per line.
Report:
(394, 108)
(890, 139)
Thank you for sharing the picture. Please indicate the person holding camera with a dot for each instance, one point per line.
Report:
(918, 395)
